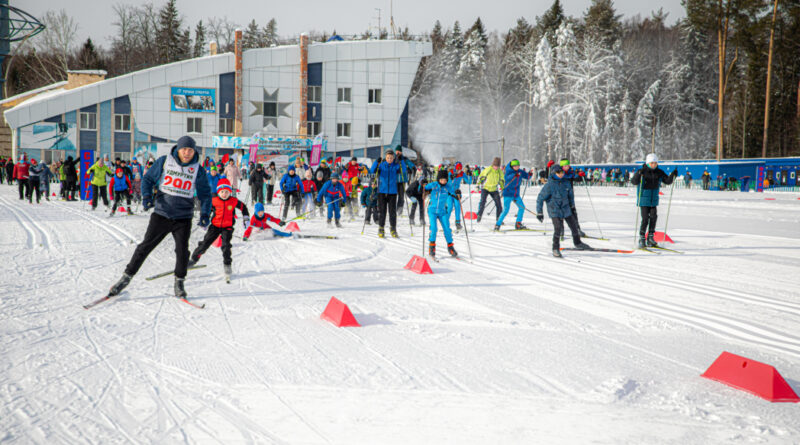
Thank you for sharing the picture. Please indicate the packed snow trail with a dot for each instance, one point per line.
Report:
(518, 347)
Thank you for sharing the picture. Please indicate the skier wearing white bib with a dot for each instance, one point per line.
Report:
(176, 177)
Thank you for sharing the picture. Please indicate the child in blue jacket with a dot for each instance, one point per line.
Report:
(439, 206)
(514, 177)
(334, 193)
(369, 200)
(558, 195)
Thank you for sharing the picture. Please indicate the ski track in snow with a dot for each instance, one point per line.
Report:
(516, 347)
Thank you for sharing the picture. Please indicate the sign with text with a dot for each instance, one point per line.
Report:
(87, 160)
(193, 100)
(760, 180)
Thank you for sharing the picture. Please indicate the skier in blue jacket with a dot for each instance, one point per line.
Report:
(649, 179)
(387, 173)
(439, 207)
(291, 184)
(334, 193)
(558, 195)
(513, 179)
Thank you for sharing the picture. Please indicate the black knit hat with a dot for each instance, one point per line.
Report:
(441, 175)
(186, 141)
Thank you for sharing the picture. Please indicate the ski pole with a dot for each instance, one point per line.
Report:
(636, 220)
(422, 200)
(669, 206)
(466, 232)
(470, 205)
(408, 212)
(304, 214)
(593, 211)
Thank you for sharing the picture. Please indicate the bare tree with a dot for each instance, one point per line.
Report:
(124, 43)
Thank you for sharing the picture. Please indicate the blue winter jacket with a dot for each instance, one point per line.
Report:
(558, 195)
(35, 173)
(440, 202)
(290, 183)
(368, 198)
(513, 181)
(332, 192)
(387, 176)
(176, 207)
(649, 182)
(213, 181)
(407, 168)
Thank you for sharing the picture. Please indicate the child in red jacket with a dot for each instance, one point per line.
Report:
(309, 194)
(261, 220)
(223, 216)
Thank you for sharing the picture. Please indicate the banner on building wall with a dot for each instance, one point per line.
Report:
(48, 136)
(281, 161)
(194, 100)
(253, 152)
(316, 152)
(760, 180)
(87, 160)
(146, 152)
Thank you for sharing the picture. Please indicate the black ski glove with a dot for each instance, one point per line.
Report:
(674, 173)
(540, 217)
(282, 223)
(203, 221)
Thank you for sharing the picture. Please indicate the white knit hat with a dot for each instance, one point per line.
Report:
(652, 157)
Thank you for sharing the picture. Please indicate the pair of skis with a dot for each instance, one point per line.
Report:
(156, 276)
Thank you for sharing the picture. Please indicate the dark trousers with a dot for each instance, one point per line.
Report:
(558, 230)
(413, 210)
(371, 212)
(270, 192)
(649, 217)
(23, 188)
(72, 188)
(294, 199)
(257, 193)
(158, 228)
(34, 187)
(401, 192)
(103, 193)
(387, 204)
(118, 196)
(211, 235)
(497, 204)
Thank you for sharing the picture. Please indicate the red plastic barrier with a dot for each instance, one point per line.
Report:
(661, 237)
(218, 242)
(470, 215)
(121, 209)
(769, 199)
(419, 265)
(339, 314)
(292, 227)
(751, 376)
(622, 194)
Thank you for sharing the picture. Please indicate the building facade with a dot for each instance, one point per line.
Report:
(353, 93)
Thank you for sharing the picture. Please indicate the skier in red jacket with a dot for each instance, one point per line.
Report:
(260, 220)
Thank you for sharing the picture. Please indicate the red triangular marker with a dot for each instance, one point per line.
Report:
(218, 242)
(292, 227)
(751, 376)
(339, 314)
(419, 265)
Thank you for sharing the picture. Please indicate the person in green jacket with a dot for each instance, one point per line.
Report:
(98, 173)
(62, 177)
(491, 179)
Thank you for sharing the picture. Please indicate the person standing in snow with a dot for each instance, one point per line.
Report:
(571, 177)
(177, 177)
(491, 180)
(387, 173)
(34, 181)
(309, 191)
(648, 180)
(21, 174)
(233, 174)
(120, 187)
(98, 173)
(439, 203)
(513, 179)
(369, 200)
(560, 199)
(290, 188)
(334, 193)
(415, 191)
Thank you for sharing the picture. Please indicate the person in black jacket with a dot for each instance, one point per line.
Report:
(257, 178)
(414, 191)
(326, 171)
(71, 174)
(649, 179)
(10, 171)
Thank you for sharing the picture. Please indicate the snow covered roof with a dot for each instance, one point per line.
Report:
(94, 72)
(35, 92)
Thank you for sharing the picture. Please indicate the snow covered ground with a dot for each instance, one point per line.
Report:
(518, 347)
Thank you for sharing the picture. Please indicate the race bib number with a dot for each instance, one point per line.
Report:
(177, 180)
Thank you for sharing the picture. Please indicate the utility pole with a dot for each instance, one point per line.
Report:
(391, 19)
(379, 22)
(503, 145)
(769, 76)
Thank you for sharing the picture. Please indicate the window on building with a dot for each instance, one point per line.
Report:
(374, 131)
(312, 128)
(194, 125)
(88, 121)
(343, 130)
(315, 94)
(343, 95)
(122, 122)
(270, 109)
(374, 96)
(225, 126)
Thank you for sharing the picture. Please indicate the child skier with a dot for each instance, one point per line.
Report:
(223, 217)
(261, 220)
(457, 172)
(441, 192)
(513, 179)
(119, 187)
(369, 199)
(558, 195)
(414, 191)
(310, 190)
(334, 193)
(649, 179)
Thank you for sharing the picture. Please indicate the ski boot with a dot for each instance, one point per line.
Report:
(394, 233)
(519, 226)
(458, 225)
(329, 222)
(432, 249)
(451, 250)
(642, 242)
(557, 252)
(227, 269)
(338, 224)
(180, 292)
(120, 285)
(497, 228)
(381, 233)
(583, 246)
(651, 241)
(581, 233)
(479, 219)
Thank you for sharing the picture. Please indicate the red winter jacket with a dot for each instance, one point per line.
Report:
(21, 171)
(309, 186)
(224, 211)
(260, 223)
